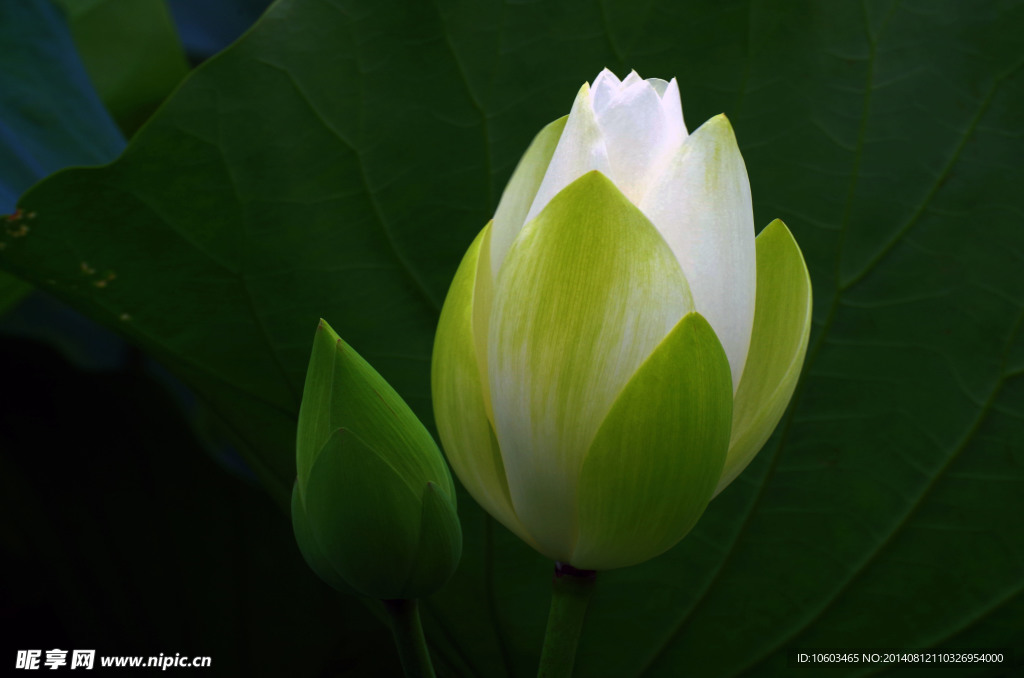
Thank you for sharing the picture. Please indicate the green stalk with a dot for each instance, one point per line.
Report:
(409, 638)
(570, 592)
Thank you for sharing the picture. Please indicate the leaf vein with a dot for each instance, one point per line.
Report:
(909, 224)
(370, 193)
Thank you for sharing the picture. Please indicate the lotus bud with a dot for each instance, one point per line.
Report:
(616, 344)
(373, 507)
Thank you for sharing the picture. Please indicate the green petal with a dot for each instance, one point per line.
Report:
(315, 413)
(310, 549)
(343, 391)
(586, 293)
(658, 455)
(782, 324)
(363, 516)
(440, 545)
(483, 299)
(522, 189)
(459, 396)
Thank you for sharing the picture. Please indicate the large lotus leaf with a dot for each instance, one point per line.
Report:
(338, 159)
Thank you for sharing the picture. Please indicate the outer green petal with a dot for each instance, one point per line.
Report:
(483, 299)
(309, 547)
(521, 189)
(586, 293)
(315, 412)
(348, 393)
(460, 407)
(782, 324)
(440, 544)
(658, 455)
(363, 515)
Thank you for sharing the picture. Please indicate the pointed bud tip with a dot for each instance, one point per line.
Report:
(325, 327)
(779, 226)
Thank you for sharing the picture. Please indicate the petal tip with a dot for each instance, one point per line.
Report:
(778, 229)
(698, 323)
(594, 177)
(718, 132)
(719, 123)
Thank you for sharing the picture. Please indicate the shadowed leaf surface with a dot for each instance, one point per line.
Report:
(50, 117)
(132, 53)
(126, 538)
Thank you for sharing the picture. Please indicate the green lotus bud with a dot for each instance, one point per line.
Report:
(373, 507)
(616, 345)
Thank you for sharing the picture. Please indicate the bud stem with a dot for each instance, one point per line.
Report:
(409, 638)
(571, 591)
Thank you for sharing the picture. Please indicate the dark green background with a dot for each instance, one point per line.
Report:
(336, 162)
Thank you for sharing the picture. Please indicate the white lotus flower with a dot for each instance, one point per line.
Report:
(616, 345)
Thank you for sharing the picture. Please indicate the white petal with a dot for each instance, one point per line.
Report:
(673, 107)
(631, 79)
(701, 205)
(634, 128)
(659, 85)
(606, 84)
(580, 149)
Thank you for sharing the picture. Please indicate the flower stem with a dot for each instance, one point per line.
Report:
(571, 591)
(409, 638)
